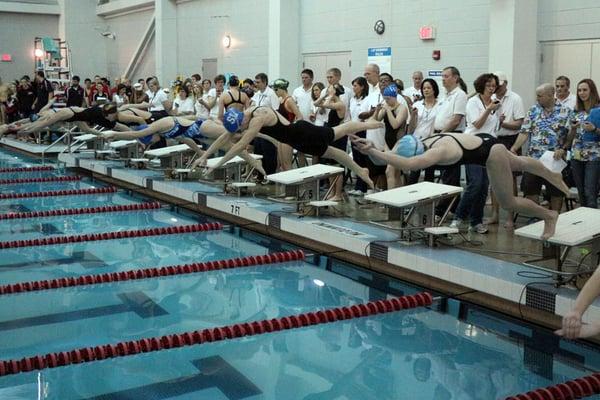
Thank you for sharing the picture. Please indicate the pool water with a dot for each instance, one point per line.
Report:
(450, 350)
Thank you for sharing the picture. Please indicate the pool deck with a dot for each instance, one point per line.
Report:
(493, 282)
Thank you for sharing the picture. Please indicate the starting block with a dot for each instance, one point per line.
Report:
(91, 141)
(231, 170)
(302, 185)
(172, 157)
(414, 207)
(125, 149)
(574, 228)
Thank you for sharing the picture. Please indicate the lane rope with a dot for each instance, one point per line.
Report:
(192, 338)
(54, 193)
(153, 272)
(77, 211)
(90, 237)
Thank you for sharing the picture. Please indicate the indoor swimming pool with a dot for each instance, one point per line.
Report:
(448, 350)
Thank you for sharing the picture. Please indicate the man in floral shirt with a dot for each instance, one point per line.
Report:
(546, 126)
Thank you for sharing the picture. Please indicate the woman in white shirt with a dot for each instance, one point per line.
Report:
(183, 104)
(481, 119)
(120, 97)
(422, 121)
(319, 115)
(202, 99)
(358, 105)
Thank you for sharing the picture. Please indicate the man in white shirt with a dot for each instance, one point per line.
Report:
(563, 96)
(334, 76)
(512, 114)
(414, 92)
(302, 95)
(371, 74)
(214, 94)
(450, 117)
(265, 97)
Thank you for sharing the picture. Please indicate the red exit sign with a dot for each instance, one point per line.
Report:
(426, 33)
(6, 57)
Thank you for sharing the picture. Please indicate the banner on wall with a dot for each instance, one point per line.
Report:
(381, 56)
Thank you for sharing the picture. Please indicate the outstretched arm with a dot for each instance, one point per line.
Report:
(572, 326)
(425, 160)
(255, 124)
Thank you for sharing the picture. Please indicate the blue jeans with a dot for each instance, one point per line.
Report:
(473, 198)
(586, 175)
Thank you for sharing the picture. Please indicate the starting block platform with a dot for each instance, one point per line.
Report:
(303, 184)
(414, 206)
(232, 169)
(171, 157)
(125, 149)
(577, 227)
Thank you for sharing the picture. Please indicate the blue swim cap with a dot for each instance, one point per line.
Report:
(34, 117)
(232, 120)
(409, 146)
(390, 91)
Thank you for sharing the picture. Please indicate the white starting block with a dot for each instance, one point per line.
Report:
(303, 184)
(232, 169)
(125, 149)
(419, 201)
(171, 157)
(574, 228)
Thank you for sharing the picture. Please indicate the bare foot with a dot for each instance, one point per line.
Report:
(493, 220)
(366, 178)
(557, 181)
(550, 225)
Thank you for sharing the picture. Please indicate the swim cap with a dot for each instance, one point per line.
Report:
(409, 146)
(390, 91)
(234, 81)
(232, 120)
(34, 117)
(280, 84)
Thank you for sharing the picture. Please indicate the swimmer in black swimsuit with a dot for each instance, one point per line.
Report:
(301, 135)
(449, 149)
(234, 97)
(85, 118)
(185, 131)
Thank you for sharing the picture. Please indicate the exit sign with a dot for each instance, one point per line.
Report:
(426, 33)
(6, 57)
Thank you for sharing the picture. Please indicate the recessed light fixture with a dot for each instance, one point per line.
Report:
(226, 41)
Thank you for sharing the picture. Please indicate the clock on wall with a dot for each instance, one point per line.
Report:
(379, 27)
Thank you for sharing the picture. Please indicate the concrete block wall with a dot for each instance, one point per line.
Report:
(18, 32)
(201, 26)
(462, 31)
(128, 29)
(568, 20)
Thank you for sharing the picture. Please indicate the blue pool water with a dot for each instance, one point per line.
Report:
(53, 203)
(31, 228)
(451, 350)
(47, 186)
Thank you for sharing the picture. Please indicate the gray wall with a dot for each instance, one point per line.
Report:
(18, 32)
(202, 24)
(568, 19)
(462, 33)
(128, 29)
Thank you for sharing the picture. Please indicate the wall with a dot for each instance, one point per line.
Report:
(81, 28)
(568, 20)
(129, 29)
(462, 33)
(201, 26)
(17, 39)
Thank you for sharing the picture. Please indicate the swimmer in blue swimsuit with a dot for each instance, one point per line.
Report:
(185, 131)
(450, 149)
